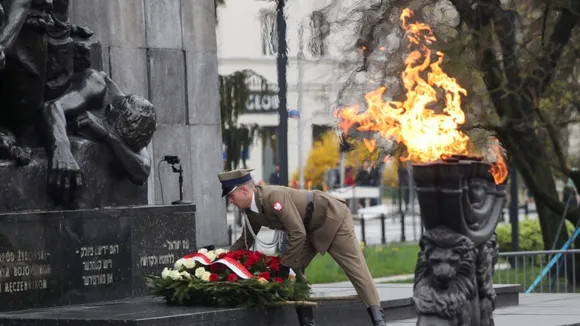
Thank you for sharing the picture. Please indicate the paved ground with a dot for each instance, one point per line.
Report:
(534, 310)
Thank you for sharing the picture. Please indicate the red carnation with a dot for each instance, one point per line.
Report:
(279, 280)
(222, 255)
(274, 266)
(213, 277)
(215, 267)
(249, 263)
(255, 257)
(265, 275)
(232, 278)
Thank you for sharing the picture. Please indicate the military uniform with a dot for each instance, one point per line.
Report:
(314, 222)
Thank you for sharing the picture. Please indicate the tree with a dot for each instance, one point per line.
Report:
(234, 93)
(325, 154)
(237, 138)
(518, 60)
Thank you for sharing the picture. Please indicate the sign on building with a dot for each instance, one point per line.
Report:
(263, 97)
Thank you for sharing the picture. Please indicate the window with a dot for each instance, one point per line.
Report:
(320, 29)
(269, 33)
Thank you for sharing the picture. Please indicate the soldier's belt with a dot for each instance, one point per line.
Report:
(309, 209)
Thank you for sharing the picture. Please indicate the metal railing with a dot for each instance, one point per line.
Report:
(523, 267)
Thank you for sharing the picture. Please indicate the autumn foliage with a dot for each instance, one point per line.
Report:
(325, 154)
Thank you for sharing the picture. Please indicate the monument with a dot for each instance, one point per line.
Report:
(460, 206)
(74, 167)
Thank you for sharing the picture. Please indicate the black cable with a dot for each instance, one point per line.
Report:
(160, 183)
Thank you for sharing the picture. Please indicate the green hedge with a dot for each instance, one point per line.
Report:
(530, 236)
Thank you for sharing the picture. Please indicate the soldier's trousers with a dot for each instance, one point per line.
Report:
(346, 251)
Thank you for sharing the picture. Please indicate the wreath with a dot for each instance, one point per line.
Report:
(220, 278)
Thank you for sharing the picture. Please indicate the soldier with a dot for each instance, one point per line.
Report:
(314, 222)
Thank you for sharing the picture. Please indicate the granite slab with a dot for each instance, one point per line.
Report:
(151, 311)
(81, 256)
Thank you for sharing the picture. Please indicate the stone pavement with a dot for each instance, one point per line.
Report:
(534, 310)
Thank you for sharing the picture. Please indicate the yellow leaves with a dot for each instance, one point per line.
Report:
(325, 154)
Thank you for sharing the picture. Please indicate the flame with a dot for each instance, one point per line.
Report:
(499, 169)
(428, 135)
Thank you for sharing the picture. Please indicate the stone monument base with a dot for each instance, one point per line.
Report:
(105, 184)
(84, 256)
(395, 301)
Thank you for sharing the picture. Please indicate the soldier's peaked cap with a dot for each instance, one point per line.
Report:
(233, 179)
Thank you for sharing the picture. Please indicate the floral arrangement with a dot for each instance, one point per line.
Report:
(220, 278)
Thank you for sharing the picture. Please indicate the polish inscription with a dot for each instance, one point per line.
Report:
(24, 270)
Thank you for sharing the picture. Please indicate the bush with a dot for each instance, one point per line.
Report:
(530, 235)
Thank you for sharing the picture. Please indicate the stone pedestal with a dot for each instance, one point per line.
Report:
(165, 50)
(83, 256)
(105, 184)
(460, 208)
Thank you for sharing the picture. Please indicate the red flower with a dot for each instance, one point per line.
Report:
(265, 275)
(274, 267)
(279, 280)
(222, 255)
(232, 278)
(213, 277)
(249, 263)
(254, 257)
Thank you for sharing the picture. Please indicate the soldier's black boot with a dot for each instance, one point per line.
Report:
(305, 315)
(376, 314)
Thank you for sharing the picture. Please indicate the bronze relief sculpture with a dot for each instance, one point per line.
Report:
(47, 93)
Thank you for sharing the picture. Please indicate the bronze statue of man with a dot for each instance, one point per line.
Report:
(101, 111)
(37, 47)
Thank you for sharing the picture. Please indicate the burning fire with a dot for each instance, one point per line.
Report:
(428, 135)
(499, 168)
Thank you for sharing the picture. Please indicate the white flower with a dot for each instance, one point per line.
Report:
(189, 263)
(205, 276)
(174, 275)
(211, 255)
(185, 275)
(199, 272)
(219, 251)
(179, 264)
(202, 251)
(165, 273)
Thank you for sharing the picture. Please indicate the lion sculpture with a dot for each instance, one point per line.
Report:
(445, 290)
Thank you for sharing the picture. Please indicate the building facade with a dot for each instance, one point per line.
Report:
(247, 40)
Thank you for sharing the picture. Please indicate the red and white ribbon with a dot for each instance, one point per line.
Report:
(233, 265)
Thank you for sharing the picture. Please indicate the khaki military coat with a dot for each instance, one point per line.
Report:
(284, 208)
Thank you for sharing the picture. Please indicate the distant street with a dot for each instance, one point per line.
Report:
(373, 234)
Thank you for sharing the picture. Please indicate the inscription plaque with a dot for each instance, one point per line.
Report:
(83, 256)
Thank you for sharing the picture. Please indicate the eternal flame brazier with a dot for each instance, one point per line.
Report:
(460, 207)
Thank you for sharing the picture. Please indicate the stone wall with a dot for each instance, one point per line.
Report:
(166, 51)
